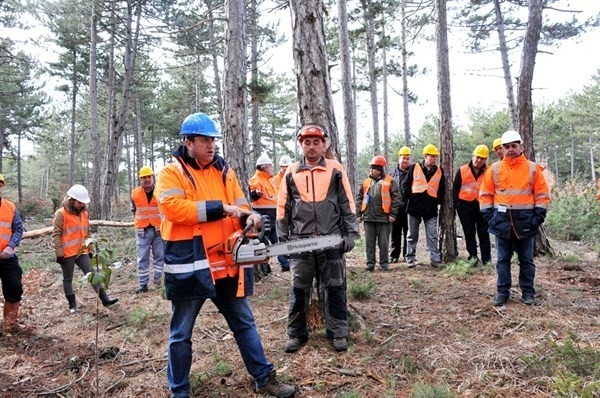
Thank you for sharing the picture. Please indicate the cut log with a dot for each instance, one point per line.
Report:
(36, 233)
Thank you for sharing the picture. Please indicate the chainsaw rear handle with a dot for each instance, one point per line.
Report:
(265, 227)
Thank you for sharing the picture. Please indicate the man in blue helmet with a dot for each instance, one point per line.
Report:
(202, 205)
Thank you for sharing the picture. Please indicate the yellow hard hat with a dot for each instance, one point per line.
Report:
(146, 171)
(430, 150)
(404, 151)
(482, 151)
(2, 180)
(497, 142)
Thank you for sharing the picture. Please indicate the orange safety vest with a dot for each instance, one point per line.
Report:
(386, 198)
(513, 185)
(7, 214)
(263, 181)
(420, 183)
(184, 194)
(74, 231)
(146, 214)
(469, 190)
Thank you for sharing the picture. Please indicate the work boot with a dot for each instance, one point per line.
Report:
(276, 388)
(106, 301)
(142, 289)
(11, 314)
(500, 300)
(412, 263)
(340, 344)
(529, 299)
(72, 303)
(294, 343)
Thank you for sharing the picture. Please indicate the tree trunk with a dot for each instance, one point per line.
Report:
(384, 80)
(215, 53)
(371, 53)
(96, 203)
(255, 100)
(405, 97)
(74, 88)
(315, 103)
(524, 98)
(446, 219)
(119, 118)
(234, 98)
(348, 98)
(510, 96)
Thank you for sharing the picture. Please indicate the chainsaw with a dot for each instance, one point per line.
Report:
(251, 248)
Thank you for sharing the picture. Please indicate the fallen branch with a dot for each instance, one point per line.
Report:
(163, 358)
(36, 233)
(66, 386)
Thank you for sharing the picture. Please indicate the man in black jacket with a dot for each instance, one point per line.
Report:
(400, 225)
(424, 188)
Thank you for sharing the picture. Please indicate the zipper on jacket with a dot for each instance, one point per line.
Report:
(312, 181)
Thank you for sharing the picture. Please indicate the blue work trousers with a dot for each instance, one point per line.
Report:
(524, 248)
(149, 240)
(239, 317)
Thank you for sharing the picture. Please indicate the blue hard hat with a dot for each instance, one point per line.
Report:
(199, 124)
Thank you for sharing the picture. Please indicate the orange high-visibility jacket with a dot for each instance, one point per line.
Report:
(146, 214)
(514, 197)
(190, 200)
(469, 189)
(315, 201)
(420, 183)
(265, 183)
(7, 214)
(74, 229)
(386, 198)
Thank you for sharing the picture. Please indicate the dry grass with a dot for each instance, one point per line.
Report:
(420, 326)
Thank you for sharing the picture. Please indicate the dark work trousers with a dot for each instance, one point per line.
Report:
(11, 276)
(399, 234)
(473, 223)
(377, 235)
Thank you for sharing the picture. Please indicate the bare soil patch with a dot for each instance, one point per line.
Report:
(422, 325)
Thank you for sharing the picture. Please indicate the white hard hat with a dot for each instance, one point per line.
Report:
(79, 193)
(511, 136)
(263, 159)
(285, 160)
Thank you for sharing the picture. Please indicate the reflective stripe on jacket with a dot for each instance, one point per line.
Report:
(194, 225)
(469, 189)
(7, 214)
(386, 198)
(146, 214)
(514, 196)
(265, 183)
(420, 183)
(315, 201)
(74, 230)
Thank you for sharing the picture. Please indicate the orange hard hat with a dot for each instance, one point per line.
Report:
(378, 161)
(312, 130)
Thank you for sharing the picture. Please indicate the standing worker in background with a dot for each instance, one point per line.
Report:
(378, 201)
(400, 225)
(284, 162)
(498, 148)
(315, 199)
(466, 202)
(424, 188)
(263, 193)
(146, 220)
(514, 199)
(203, 206)
(11, 273)
(71, 227)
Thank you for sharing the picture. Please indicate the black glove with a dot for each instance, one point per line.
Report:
(60, 260)
(347, 244)
(255, 194)
(91, 254)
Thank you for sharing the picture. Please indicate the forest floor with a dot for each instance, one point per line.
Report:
(423, 330)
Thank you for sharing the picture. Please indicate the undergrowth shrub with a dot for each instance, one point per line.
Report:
(573, 214)
(361, 287)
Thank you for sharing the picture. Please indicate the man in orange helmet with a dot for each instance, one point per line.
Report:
(378, 201)
(315, 198)
(514, 198)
